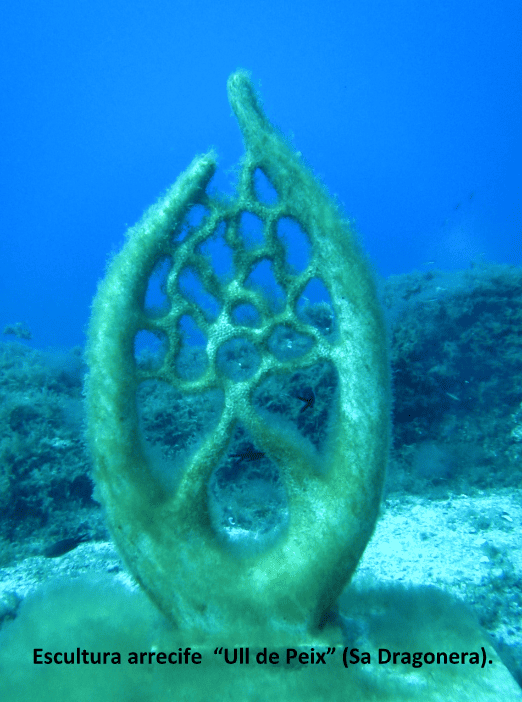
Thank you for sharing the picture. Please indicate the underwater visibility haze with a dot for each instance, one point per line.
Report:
(280, 452)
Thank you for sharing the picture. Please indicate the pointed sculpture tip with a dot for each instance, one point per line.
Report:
(246, 103)
(241, 93)
(239, 81)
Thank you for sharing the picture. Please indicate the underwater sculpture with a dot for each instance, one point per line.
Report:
(280, 597)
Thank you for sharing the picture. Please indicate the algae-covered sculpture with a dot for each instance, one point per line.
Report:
(278, 598)
(168, 541)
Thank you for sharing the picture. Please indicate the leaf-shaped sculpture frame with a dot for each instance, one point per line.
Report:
(167, 540)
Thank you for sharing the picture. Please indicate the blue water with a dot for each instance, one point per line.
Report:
(409, 111)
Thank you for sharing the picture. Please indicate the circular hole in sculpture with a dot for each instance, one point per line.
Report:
(246, 315)
(286, 344)
(238, 359)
